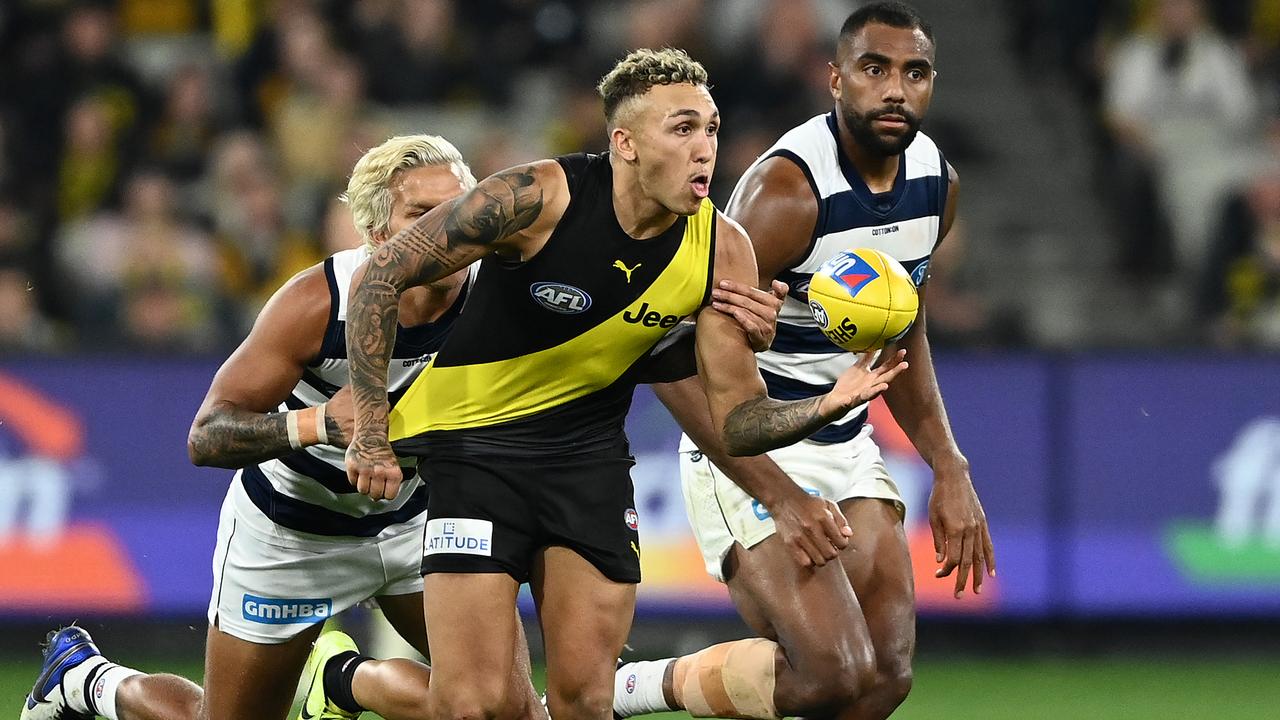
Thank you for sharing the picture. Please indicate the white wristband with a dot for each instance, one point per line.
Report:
(322, 432)
(291, 427)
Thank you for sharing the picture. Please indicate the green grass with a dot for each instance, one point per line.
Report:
(986, 689)
(1095, 689)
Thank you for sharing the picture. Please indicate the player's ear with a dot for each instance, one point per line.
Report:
(623, 142)
(378, 236)
(833, 81)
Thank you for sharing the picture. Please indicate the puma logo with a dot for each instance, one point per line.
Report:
(618, 264)
(635, 549)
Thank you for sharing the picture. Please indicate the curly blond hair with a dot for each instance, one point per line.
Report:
(640, 70)
(369, 189)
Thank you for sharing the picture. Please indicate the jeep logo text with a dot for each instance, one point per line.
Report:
(650, 318)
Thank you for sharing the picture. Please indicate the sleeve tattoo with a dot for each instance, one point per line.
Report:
(762, 424)
(233, 438)
(440, 242)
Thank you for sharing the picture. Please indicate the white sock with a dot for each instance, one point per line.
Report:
(102, 678)
(73, 682)
(637, 688)
(104, 688)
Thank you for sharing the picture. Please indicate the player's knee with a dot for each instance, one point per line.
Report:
(892, 686)
(465, 709)
(524, 703)
(529, 710)
(831, 681)
(472, 701)
(894, 672)
(581, 703)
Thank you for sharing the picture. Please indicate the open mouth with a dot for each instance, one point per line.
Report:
(701, 185)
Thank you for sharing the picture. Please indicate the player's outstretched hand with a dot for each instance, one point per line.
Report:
(863, 383)
(338, 408)
(961, 537)
(812, 528)
(754, 309)
(372, 468)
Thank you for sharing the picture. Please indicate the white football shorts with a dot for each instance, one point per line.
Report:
(271, 583)
(721, 513)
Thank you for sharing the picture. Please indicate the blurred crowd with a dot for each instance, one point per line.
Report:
(1185, 102)
(166, 164)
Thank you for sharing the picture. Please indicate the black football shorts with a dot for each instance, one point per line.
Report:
(494, 513)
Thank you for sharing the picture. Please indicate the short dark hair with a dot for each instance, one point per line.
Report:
(640, 70)
(893, 14)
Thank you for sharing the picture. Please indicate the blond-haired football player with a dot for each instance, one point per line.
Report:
(296, 544)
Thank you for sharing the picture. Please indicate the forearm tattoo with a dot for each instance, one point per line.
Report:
(440, 242)
(234, 438)
(762, 424)
(337, 436)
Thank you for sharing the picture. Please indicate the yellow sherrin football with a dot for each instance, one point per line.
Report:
(863, 299)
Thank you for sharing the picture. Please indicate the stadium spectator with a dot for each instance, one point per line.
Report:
(90, 166)
(78, 66)
(312, 121)
(160, 315)
(257, 246)
(19, 251)
(782, 58)
(1242, 290)
(413, 51)
(237, 160)
(127, 266)
(184, 134)
(291, 45)
(23, 327)
(1178, 103)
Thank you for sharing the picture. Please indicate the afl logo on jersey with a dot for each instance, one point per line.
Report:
(632, 518)
(561, 298)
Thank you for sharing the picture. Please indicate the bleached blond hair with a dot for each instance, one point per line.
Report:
(640, 70)
(369, 189)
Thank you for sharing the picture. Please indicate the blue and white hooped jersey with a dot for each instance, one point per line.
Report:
(307, 490)
(906, 223)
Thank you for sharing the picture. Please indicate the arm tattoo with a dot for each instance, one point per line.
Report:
(762, 424)
(337, 436)
(442, 241)
(230, 437)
